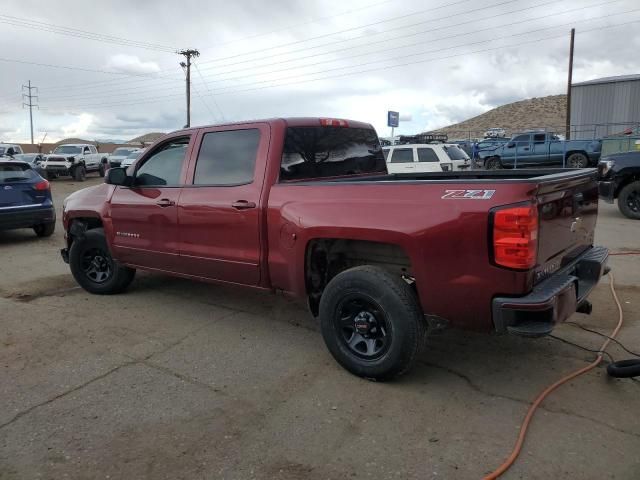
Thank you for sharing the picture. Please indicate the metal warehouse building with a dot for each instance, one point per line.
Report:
(605, 106)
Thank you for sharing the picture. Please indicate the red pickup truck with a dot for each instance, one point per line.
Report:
(305, 206)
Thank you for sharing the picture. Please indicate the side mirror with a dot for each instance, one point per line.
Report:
(511, 144)
(117, 176)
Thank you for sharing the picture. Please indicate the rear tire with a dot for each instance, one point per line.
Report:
(372, 323)
(629, 200)
(102, 169)
(577, 160)
(94, 269)
(45, 229)
(493, 163)
(80, 173)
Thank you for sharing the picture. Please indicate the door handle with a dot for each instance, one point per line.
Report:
(165, 202)
(526, 148)
(243, 205)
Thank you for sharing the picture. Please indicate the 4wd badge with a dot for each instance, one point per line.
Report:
(469, 194)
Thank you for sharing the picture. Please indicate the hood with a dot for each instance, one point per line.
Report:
(117, 157)
(88, 199)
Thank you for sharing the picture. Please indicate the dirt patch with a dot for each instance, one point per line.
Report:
(54, 286)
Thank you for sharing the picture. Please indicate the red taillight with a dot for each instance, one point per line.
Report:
(515, 236)
(333, 122)
(43, 185)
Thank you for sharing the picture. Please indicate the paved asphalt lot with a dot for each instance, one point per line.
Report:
(177, 380)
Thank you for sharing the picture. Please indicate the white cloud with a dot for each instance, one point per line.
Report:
(80, 127)
(130, 64)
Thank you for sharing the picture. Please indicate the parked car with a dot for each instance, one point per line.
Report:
(33, 159)
(132, 157)
(306, 207)
(418, 158)
(620, 178)
(119, 154)
(25, 199)
(75, 160)
(495, 133)
(543, 149)
(10, 149)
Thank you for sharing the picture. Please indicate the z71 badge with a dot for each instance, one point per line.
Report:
(469, 194)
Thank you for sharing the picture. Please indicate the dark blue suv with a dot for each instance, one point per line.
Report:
(25, 199)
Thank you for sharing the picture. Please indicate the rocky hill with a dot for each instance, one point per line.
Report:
(147, 137)
(544, 112)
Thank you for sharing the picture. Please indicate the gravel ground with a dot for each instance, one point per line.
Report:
(180, 380)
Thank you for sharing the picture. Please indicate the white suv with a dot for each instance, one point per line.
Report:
(421, 158)
(495, 133)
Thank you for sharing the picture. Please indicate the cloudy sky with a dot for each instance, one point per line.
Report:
(108, 70)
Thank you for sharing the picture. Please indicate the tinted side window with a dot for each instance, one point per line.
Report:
(455, 153)
(522, 139)
(539, 138)
(316, 152)
(427, 155)
(227, 158)
(163, 168)
(402, 155)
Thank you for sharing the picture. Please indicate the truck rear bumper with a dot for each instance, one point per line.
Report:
(552, 301)
(607, 190)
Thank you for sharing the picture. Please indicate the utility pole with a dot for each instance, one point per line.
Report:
(27, 101)
(567, 132)
(187, 66)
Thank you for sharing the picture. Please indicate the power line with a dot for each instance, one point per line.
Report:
(546, 38)
(400, 47)
(446, 27)
(218, 79)
(210, 93)
(298, 25)
(379, 22)
(74, 32)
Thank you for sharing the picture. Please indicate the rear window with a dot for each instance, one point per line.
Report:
(320, 152)
(12, 172)
(227, 157)
(455, 153)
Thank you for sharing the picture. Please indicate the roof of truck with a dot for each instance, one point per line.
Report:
(291, 122)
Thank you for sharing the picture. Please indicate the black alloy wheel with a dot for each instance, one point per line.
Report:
(363, 326)
(97, 265)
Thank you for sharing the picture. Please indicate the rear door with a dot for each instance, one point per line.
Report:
(428, 161)
(145, 216)
(219, 210)
(401, 160)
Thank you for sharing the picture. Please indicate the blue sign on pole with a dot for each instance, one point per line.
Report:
(393, 119)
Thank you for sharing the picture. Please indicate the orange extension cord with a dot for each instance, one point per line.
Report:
(532, 409)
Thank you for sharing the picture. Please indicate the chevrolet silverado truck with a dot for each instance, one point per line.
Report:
(306, 207)
(75, 160)
(620, 178)
(542, 149)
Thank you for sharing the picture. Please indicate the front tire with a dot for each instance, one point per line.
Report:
(372, 323)
(629, 200)
(79, 173)
(493, 163)
(102, 169)
(45, 229)
(94, 269)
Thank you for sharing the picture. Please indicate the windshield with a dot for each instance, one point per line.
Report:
(68, 150)
(13, 172)
(135, 154)
(316, 152)
(455, 153)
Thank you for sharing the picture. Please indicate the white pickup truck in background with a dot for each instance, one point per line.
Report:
(75, 160)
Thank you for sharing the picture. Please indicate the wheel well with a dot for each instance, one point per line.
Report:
(581, 152)
(626, 181)
(78, 226)
(327, 257)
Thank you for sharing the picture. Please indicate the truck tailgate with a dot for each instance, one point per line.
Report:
(567, 212)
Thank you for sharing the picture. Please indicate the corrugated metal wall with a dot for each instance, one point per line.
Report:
(596, 109)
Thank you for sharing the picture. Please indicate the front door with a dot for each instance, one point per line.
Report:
(219, 210)
(145, 216)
